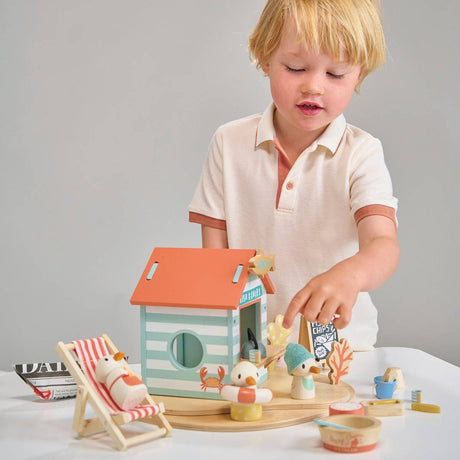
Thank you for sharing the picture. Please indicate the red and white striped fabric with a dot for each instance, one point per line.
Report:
(89, 352)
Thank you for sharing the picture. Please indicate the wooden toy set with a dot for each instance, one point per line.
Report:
(208, 355)
(204, 327)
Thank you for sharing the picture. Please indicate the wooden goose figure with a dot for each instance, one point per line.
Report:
(244, 396)
(301, 365)
(127, 390)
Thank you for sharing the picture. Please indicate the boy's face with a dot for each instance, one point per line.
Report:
(309, 89)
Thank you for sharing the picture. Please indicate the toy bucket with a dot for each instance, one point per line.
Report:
(384, 390)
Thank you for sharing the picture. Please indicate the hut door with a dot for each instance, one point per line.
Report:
(250, 318)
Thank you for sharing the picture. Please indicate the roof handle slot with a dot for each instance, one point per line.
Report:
(236, 276)
(152, 271)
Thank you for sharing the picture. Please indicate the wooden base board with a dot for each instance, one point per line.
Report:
(223, 422)
(280, 383)
(212, 415)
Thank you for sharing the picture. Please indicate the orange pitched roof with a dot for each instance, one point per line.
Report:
(192, 277)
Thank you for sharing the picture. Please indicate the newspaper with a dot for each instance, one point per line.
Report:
(48, 380)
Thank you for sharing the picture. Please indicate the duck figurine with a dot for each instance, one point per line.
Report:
(245, 398)
(126, 390)
(301, 365)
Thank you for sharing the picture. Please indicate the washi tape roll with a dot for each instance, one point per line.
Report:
(340, 408)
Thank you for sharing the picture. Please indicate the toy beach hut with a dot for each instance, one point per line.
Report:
(196, 307)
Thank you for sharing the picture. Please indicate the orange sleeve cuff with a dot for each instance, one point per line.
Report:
(375, 210)
(206, 220)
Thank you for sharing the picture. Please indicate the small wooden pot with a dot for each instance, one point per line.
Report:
(363, 437)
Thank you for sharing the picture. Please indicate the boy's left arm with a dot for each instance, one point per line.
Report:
(335, 291)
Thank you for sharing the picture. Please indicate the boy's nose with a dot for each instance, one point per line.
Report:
(312, 86)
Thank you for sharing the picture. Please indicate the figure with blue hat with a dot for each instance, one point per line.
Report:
(301, 365)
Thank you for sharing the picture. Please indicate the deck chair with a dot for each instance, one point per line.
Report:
(110, 417)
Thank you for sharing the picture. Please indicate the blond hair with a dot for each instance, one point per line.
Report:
(330, 26)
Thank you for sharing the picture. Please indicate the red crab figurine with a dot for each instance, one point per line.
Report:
(212, 382)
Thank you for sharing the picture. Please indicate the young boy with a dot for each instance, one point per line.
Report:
(300, 182)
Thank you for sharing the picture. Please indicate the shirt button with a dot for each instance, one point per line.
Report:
(289, 186)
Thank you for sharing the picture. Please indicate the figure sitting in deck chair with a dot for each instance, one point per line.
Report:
(110, 416)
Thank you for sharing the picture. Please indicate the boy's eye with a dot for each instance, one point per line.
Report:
(334, 75)
(290, 69)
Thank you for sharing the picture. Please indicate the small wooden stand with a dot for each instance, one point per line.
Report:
(318, 339)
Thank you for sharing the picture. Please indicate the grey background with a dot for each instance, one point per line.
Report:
(107, 109)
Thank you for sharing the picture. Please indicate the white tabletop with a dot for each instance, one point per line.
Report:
(31, 428)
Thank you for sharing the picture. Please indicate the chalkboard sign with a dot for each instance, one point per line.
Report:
(318, 339)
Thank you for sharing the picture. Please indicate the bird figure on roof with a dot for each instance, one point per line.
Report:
(244, 396)
(301, 365)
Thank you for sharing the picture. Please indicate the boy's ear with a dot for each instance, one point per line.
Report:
(266, 68)
(362, 75)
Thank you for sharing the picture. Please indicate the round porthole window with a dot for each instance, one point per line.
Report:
(187, 350)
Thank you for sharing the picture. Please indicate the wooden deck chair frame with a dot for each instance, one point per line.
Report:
(105, 420)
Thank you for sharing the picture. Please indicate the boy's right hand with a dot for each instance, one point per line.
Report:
(331, 293)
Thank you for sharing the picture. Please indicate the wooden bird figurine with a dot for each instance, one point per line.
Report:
(301, 365)
(127, 390)
(244, 396)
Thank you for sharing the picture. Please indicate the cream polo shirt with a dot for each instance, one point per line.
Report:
(305, 213)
